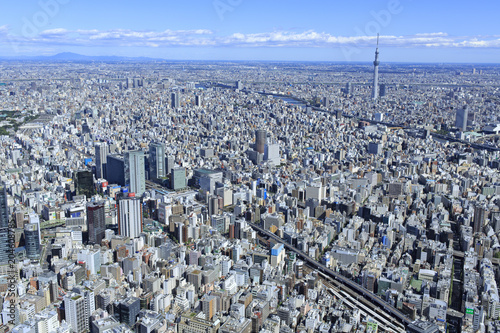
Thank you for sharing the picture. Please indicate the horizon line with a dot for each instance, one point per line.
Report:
(40, 58)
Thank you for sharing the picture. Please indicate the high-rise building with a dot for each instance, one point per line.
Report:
(129, 217)
(383, 90)
(209, 306)
(260, 141)
(96, 222)
(178, 178)
(478, 318)
(135, 176)
(348, 89)
(32, 240)
(46, 321)
(4, 226)
(156, 160)
(84, 183)
(375, 148)
(375, 74)
(197, 100)
(272, 153)
(170, 164)
(480, 214)
(175, 100)
(91, 259)
(461, 119)
(115, 170)
(89, 299)
(101, 154)
(129, 310)
(76, 312)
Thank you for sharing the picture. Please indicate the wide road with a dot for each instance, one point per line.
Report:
(342, 279)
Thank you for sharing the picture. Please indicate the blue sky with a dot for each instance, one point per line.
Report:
(410, 30)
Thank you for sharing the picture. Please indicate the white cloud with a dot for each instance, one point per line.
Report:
(204, 37)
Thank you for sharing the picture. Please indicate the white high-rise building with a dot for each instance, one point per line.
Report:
(129, 217)
(92, 260)
(135, 172)
(47, 321)
(76, 312)
(272, 153)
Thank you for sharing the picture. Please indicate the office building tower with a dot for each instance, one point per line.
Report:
(156, 161)
(101, 154)
(379, 116)
(15, 156)
(4, 226)
(478, 318)
(375, 74)
(84, 183)
(129, 83)
(461, 119)
(209, 306)
(170, 164)
(272, 153)
(96, 222)
(88, 296)
(175, 100)
(348, 89)
(375, 148)
(92, 260)
(115, 170)
(32, 240)
(103, 300)
(326, 102)
(46, 321)
(129, 217)
(76, 312)
(197, 100)
(480, 214)
(129, 310)
(178, 178)
(260, 141)
(135, 172)
(382, 91)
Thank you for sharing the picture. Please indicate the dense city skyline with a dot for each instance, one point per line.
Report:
(237, 166)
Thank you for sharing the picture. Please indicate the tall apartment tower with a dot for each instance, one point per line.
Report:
(75, 308)
(156, 161)
(135, 173)
(461, 119)
(375, 74)
(32, 240)
(96, 222)
(260, 141)
(480, 214)
(101, 154)
(175, 100)
(129, 217)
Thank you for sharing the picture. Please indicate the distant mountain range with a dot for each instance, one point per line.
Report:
(69, 56)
